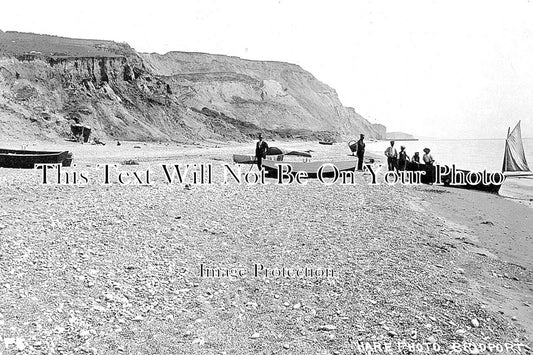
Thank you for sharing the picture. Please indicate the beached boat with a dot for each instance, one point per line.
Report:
(312, 168)
(26, 159)
(299, 154)
(250, 159)
(325, 142)
(282, 151)
(490, 187)
(518, 182)
(514, 166)
(514, 157)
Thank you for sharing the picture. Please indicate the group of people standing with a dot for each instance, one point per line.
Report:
(400, 161)
(396, 161)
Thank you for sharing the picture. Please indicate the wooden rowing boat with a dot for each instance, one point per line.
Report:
(251, 159)
(26, 159)
(312, 168)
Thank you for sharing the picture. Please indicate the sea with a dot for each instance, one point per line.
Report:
(468, 154)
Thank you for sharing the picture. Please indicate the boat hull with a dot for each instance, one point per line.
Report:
(312, 168)
(26, 159)
(518, 186)
(447, 179)
(251, 159)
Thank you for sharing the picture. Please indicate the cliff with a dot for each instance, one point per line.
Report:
(48, 83)
(399, 135)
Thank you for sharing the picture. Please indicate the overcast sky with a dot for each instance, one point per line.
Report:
(461, 69)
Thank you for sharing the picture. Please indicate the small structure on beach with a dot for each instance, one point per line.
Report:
(81, 132)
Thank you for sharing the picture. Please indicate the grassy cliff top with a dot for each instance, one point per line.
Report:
(19, 43)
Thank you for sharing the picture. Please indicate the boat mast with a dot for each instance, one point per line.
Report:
(505, 149)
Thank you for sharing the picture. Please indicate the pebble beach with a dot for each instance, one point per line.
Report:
(118, 268)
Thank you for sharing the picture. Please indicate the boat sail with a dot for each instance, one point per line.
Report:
(518, 182)
(514, 158)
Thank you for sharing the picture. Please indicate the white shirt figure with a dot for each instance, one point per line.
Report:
(391, 152)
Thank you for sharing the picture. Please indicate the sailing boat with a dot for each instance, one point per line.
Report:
(514, 158)
(514, 167)
(518, 182)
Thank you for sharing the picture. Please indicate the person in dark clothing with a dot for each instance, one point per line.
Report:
(402, 159)
(260, 151)
(428, 161)
(414, 163)
(360, 152)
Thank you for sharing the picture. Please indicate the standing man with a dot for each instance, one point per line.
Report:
(428, 161)
(360, 152)
(260, 150)
(402, 159)
(392, 156)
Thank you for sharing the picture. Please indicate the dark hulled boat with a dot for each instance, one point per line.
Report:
(26, 159)
(490, 187)
(514, 167)
(446, 179)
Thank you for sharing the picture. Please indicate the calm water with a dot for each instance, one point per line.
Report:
(471, 154)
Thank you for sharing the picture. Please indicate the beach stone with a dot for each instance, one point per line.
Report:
(200, 341)
(431, 339)
(19, 344)
(37, 344)
(327, 327)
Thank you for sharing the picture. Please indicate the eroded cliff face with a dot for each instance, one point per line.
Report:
(273, 95)
(47, 83)
(42, 98)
